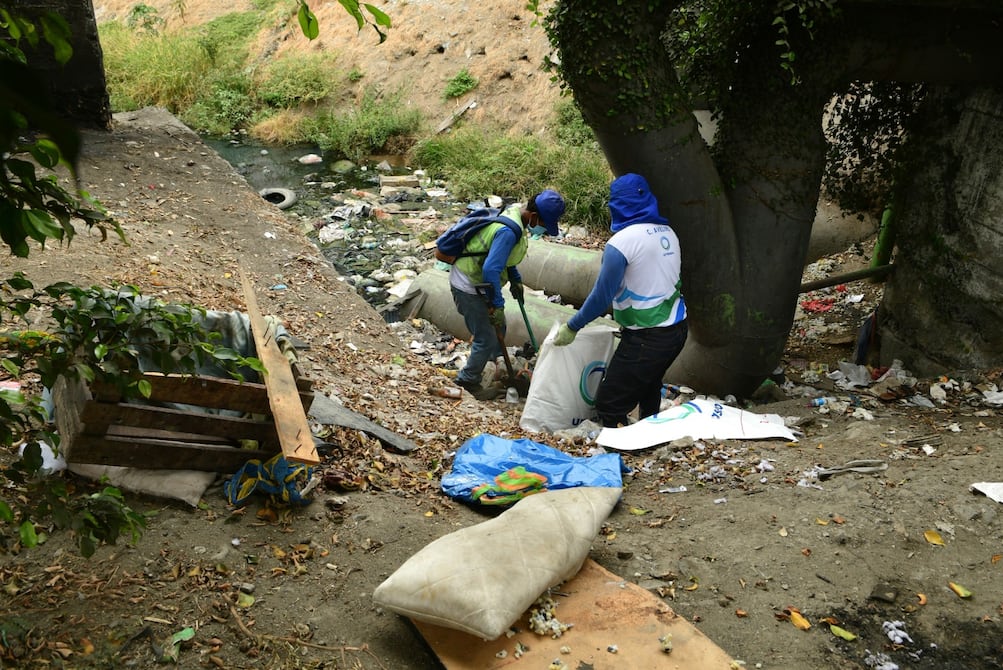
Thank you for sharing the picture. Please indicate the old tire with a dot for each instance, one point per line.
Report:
(283, 198)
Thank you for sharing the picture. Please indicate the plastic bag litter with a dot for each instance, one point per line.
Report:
(491, 470)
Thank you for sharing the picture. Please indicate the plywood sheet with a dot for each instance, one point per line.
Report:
(606, 611)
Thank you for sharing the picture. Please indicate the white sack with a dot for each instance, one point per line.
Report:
(482, 579)
(565, 380)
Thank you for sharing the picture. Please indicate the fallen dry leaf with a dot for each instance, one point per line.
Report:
(960, 590)
(799, 621)
(933, 537)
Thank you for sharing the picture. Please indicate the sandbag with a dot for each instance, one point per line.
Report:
(481, 579)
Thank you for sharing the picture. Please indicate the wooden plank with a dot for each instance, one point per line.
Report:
(168, 419)
(291, 424)
(132, 431)
(156, 454)
(605, 610)
(404, 180)
(210, 392)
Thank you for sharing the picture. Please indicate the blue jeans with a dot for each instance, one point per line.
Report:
(485, 347)
(634, 374)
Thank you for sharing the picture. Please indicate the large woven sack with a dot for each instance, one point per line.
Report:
(481, 579)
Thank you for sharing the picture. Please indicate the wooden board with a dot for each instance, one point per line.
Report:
(210, 392)
(151, 453)
(291, 424)
(605, 610)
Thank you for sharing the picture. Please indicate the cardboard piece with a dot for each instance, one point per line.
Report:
(605, 610)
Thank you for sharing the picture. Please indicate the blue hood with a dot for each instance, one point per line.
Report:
(631, 201)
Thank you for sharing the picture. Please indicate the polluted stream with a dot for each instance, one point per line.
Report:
(371, 223)
(339, 207)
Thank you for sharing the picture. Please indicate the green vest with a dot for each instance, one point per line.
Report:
(473, 266)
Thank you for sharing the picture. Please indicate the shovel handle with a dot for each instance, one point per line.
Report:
(529, 328)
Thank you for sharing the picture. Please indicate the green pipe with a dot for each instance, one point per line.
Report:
(886, 239)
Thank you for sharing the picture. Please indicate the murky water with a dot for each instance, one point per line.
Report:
(280, 167)
(362, 249)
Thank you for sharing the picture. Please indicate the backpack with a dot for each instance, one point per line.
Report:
(451, 244)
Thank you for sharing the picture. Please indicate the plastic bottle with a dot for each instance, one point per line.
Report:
(511, 395)
(448, 392)
(818, 402)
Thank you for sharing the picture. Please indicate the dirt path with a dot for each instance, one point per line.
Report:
(744, 543)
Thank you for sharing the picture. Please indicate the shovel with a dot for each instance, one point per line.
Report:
(529, 328)
(519, 381)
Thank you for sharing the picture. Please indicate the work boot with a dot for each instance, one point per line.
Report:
(479, 392)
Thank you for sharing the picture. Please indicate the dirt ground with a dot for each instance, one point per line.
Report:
(733, 554)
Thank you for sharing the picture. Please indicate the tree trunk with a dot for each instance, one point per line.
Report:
(949, 263)
(78, 90)
(743, 247)
(744, 212)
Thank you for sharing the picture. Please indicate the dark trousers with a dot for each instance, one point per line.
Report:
(634, 375)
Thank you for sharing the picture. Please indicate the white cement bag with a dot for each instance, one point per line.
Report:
(564, 384)
(699, 419)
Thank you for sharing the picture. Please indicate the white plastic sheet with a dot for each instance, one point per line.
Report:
(697, 419)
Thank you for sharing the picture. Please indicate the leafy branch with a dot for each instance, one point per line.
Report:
(380, 20)
(100, 336)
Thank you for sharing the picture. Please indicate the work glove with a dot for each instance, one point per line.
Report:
(565, 336)
(516, 289)
(497, 317)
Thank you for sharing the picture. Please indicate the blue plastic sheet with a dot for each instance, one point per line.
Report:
(494, 471)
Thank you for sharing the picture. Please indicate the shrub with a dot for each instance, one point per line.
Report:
(143, 17)
(144, 69)
(463, 82)
(571, 128)
(377, 124)
(227, 107)
(178, 71)
(478, 161)
(294, 80)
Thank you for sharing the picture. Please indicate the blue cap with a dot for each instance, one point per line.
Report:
(550, 206)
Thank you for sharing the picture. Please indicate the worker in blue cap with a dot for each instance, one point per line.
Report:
(640, 278)
(476, 280)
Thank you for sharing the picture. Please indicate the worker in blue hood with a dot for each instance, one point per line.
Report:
(640, 279)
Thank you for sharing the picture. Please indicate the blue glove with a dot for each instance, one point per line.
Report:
(565, 336)
(516, 289)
